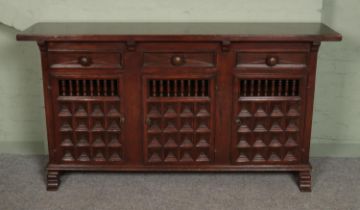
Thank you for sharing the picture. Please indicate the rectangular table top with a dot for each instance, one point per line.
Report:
(179, 31)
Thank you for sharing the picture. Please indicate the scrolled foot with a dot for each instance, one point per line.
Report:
(53, 180)
(305, 181)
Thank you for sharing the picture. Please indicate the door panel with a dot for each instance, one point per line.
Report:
(89, 118)
(268, 120)
(179, 119)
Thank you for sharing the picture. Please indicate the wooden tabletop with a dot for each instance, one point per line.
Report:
(179, 32)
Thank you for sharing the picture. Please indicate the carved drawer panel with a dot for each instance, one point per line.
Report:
(268, 121)
(89, 120)
(271, 60)
(270, 56)
(85, 60)
(170, 56)
(85, 55)
(179, 59)
(179, 120)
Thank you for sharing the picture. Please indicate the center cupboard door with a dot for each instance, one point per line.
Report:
(89, 119)
(179, 114)
(268, 119)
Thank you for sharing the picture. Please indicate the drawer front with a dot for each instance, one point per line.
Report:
(179, 59)
(178, 56)
(271, 60)
(85, 60)
(85, 55)
(272, 55)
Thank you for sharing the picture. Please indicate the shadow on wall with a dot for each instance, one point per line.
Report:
(22, 125)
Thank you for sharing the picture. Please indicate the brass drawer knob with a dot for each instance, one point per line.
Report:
(177, 60)
(272, 61)
(85, 61)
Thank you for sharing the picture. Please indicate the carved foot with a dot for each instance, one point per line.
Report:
(305, 181)
(53, 180)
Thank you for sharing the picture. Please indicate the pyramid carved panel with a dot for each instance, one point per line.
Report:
(179, 131)
(267, 131)
(90, 131)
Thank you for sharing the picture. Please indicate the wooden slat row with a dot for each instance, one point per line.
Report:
(272, 87)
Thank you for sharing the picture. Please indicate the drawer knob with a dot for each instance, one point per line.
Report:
(238, 121)
(85, 61)
(177, 60)
(272, 61)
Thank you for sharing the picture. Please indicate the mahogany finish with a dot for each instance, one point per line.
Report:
(179, 96)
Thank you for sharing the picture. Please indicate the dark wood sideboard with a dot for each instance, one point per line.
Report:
(179, 96)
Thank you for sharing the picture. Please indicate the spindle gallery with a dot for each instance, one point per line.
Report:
(179, 96)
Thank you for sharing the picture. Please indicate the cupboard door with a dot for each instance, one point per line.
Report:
(88, 115)
(268, 120)
(179, 116)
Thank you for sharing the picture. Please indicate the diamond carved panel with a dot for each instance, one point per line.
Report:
(179, 132)
(267, 131)
(90, 131)
(179, 121)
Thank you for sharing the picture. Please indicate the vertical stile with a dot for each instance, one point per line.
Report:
(91, 88)
(286, 87)
(280, 88)
(202, 87)
(70, 87)
(161, 88)
(168, 88)
(105, 87)
(293, 87)
(98, 87)
(272, 87)
(153, 88)
(196, 87)
(112, 87)
(175, 88)
(182, 87)
(266, 87)
(189, 88)
(63, 89)
(84, 87)
(116, 85)
(245, 87)
(252, 88)
(77, 87)
(259, 88)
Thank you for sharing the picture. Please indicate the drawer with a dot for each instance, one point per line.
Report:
(272, 55)
(85, 60)
(85, 55)
(178, 55)
(271, 59)
(179, 59)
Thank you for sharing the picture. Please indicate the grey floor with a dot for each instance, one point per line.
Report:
(336, 185)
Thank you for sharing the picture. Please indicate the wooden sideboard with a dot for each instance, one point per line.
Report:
(179, 96)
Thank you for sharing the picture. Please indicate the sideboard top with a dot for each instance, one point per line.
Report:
(179, 32)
